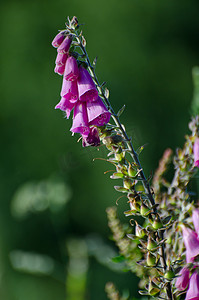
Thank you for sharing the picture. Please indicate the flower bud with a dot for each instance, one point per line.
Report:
(157, 224)
(151, 244)
(169, 274)
(139, 230)
(151, 259)
(127, 183)
(144, 209)
(131, 171)
(153, 289)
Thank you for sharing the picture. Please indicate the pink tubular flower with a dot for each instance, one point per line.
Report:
(195, 218)
(69, 90)
(97, 113)
(58, 39)
(59, 69)
(71, 69)
(183, 279)
(193, 290)
(61, 59)
(196, 152)
(65, 45)
(86, 87)
(65, 105)
(80, 120)
(92, 139)
(191, 242)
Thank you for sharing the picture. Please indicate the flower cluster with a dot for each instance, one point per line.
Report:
(191, 241)
(79, 93)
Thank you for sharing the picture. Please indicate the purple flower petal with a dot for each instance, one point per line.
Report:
(191, 242)
(193, 290)
(183, 279)
(58, 39)
(65, 105)
(59, 69)
(196, 152)
(80, 119)
(65, 45)
(98, 114)
(86, 87)
(69, 90)
(71, 69)
(92, 139)
(61, 59)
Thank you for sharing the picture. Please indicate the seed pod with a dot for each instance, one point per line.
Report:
(151, 244)
(139, 231)
(144, 209)
(127, 183)
(151, 259)
(153, 289)
(157, 224)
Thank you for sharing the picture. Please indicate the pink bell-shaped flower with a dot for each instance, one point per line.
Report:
(65, 105)
(196, 152)
(92, 139)
(195, 218)
(191, 242)
(71, 72)
(61, 59)
(183, 279)
(193, 290)
(97, 113)
(86, 87)
(58, 39)
(69, 90)
(59, 69)
(65, 45)
(80, 120)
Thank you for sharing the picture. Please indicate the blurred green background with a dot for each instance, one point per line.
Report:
(53, 225)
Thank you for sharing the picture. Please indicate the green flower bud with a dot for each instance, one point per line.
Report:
(127, 183)
(151, 259)
(139, 231)
(144, 209)
(153, 289)
(151, 244)
(131, 171)
(157, 224)
(169, 275)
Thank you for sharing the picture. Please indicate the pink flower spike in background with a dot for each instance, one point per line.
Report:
(98, 114)
(183, 279)
(193, 290)
(69, 90)
(65, 45)
(195, 218)
(58, 39)
(80, 120)
(86, 86)
(196, 152)
(71, 69)
(65, 105)
(191, 242)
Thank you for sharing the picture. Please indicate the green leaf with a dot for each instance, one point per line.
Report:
(121, 189)
(121, 110)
